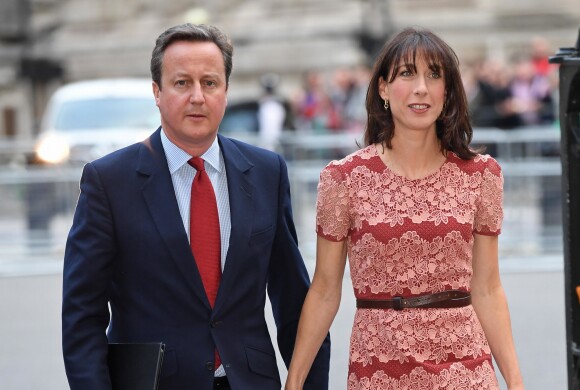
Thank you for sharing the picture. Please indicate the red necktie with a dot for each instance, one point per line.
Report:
(204, 233)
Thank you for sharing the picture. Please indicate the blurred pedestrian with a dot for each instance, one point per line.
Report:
(540, 52)
(272, 112)
(354, 113)
(532, 94)
(181, 236)
(313, 105)
(491, 99)
(341, 91)
(418, 213)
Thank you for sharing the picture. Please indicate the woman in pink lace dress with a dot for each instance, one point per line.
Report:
(418, 213)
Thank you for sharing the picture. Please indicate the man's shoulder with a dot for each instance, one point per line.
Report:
(118, 160)
(252, 152)
(244, 146)
(149, 146)
(120, 154)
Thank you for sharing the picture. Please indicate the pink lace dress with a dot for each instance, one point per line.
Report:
(406, 238)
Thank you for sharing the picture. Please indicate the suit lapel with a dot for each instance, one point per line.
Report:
(240, 191)
(160, 199)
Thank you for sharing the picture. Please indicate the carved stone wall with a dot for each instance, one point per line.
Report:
(108, 38)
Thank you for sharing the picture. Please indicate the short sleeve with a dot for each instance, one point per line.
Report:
(489, 209)
(332, 215)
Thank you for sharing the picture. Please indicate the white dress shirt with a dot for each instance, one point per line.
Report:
(182, 175)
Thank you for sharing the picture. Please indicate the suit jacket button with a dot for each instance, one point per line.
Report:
(209, 366)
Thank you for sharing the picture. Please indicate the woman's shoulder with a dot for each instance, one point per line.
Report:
(354, 159)
(340, 170)
(479, 163)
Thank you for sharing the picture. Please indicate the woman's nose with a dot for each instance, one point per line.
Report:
(420, 86)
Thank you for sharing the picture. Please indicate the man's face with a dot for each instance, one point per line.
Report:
(192, 97)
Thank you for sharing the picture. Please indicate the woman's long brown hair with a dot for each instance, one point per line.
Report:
(453, 126)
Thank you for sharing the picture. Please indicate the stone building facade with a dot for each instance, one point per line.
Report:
(45, 43)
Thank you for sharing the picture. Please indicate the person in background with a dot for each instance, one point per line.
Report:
(418, 214)
(540, 52)
(313, 106)
(531, 94)
(182, 235)
(340, 91)
(354, 113)
(490, 100)
(272, 112)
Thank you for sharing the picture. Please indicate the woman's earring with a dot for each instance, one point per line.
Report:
(386, 105)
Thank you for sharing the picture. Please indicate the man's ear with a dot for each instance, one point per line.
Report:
(156, 91)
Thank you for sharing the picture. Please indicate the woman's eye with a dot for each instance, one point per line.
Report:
(435, 75)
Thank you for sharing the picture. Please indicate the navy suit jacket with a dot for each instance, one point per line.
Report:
(128, 248)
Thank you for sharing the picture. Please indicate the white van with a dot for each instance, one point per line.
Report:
(88, 119)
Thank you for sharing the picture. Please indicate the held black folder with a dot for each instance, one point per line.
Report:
(135, 366)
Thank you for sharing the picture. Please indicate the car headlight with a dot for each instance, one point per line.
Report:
(53, 149)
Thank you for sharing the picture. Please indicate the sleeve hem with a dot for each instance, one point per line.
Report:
(328, 237)
(488, 232)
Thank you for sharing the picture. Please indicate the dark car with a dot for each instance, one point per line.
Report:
(241, 118)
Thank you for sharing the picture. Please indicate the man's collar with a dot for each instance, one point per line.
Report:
(177, 157)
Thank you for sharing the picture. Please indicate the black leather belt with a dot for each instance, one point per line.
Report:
(444, 299)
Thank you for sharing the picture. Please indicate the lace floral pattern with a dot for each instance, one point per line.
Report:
(432, 199)
(409, 263)
(457, 377)
(351, 192)
(427, 335)
(411, 237)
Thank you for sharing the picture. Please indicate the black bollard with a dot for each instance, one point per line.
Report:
(569, 60)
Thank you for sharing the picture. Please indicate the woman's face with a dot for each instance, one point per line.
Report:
(416, 96)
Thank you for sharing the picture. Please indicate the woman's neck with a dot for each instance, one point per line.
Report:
(413, 157)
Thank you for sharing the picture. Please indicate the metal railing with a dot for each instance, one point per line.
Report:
(38, 201)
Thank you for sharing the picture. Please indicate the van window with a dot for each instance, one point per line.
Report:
(107, 113)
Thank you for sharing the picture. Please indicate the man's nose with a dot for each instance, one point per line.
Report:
(196, 96)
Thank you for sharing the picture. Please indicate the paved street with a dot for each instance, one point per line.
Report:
(30, 358)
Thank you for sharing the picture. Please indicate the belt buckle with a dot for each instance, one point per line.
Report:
(398, 303)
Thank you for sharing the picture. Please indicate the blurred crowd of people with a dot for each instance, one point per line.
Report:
(333, 102)
(522, 92)
(502, 94)
(325, 102)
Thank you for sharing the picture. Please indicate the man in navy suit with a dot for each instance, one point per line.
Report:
(129, 272)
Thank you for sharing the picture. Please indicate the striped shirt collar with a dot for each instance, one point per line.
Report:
(177, 157)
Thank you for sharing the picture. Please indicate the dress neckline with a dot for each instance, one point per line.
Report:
(434, 173)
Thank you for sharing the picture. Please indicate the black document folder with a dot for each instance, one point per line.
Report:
(135, 366)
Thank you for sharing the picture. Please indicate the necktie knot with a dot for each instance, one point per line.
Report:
(197, 163)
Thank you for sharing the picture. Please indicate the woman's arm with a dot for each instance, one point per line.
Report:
(319, 310)
(490, 304)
